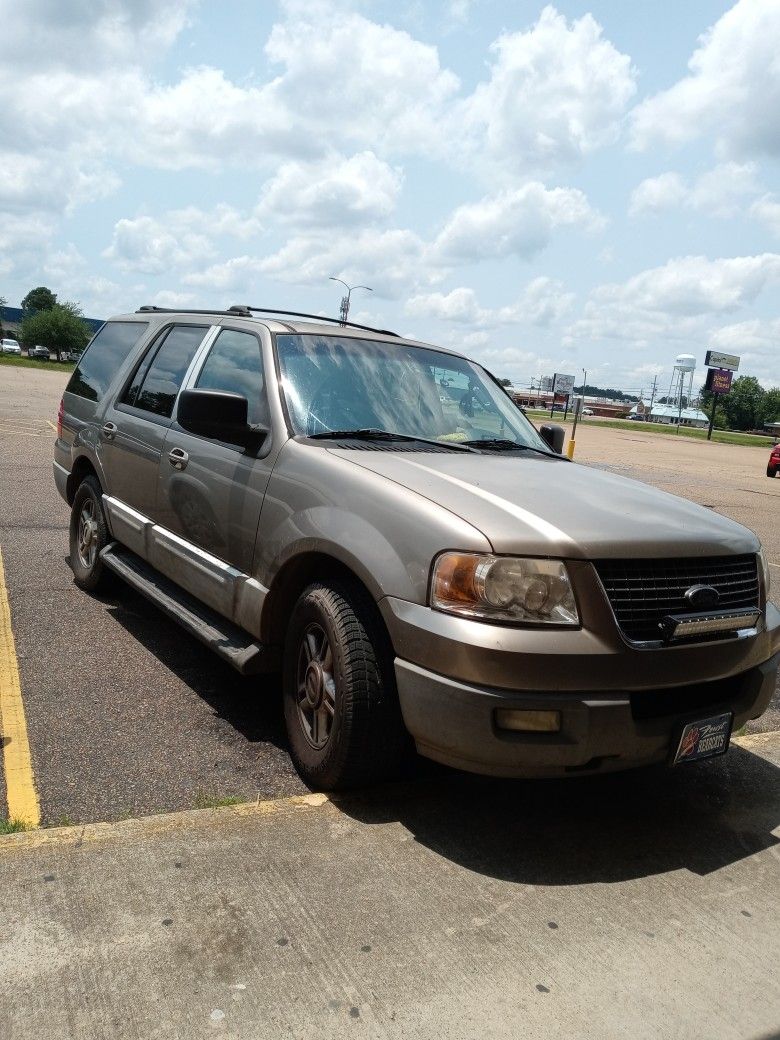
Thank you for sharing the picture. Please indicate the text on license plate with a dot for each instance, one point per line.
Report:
(704, 738)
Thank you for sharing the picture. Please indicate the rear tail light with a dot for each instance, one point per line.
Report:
(60, 415)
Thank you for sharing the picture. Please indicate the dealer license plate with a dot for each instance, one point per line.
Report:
(704, 738)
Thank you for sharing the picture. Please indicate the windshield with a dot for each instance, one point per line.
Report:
(333, 383)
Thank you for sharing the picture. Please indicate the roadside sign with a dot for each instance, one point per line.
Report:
(562, 384)
(546, 384)
(719, 380)
(714, 359)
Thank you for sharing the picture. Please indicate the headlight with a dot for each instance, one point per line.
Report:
(503, 588)
(763, 563)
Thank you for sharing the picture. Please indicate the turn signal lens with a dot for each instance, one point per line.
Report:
(60, 416)
(503, 588)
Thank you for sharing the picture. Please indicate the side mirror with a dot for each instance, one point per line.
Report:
(220, 415)
(553, 436)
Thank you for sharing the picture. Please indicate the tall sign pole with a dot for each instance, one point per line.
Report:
(721, 371)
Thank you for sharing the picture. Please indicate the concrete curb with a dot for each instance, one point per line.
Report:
(189, 819)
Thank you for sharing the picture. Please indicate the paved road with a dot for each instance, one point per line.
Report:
(126, 714)
(642, 906)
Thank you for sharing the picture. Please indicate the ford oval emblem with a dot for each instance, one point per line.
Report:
(702, 597)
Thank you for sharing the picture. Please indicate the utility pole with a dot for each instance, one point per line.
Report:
(345, 300)
(652, 396)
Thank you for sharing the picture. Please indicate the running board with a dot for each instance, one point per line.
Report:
(232, 643)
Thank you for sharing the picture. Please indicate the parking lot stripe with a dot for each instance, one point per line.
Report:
(21, 796)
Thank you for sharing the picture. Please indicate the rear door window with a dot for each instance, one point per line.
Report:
(104, 357)
(157, 382)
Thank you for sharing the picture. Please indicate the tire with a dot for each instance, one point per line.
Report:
(340, 701)
(88, 570)
(771, 471)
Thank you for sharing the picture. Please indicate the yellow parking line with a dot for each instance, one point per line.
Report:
(21, 796)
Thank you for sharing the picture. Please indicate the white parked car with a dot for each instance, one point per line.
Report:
(10, 346)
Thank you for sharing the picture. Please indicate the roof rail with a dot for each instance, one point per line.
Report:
(152, 308)
(240, 310)
(314, 317)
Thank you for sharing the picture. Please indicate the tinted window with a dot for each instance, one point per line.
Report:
(235, 364)
(168, 367)
(103, 357)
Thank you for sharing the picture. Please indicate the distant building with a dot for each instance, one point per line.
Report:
(11, 320)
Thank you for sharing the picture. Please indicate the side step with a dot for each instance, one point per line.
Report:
(226, 639)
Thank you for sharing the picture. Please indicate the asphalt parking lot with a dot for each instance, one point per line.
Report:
(127, 715)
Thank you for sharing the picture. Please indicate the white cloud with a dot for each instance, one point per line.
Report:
(556, 92)
(239, 273)
(719, 192)
(334, 191)
(177, 239)
(518, 222)
(98, 33)
(757, 342)
(675, 301)
(767, 211)
(542, 302)
(389, 261)
(656, 194)
(732, 89)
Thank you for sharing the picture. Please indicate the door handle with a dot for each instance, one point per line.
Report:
(109, 431)
(178, 458)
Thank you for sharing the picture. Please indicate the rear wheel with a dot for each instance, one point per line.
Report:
(88, 535)
(340, 702)
(771, 471)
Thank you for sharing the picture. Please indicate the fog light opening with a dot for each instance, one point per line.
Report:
(521, 721)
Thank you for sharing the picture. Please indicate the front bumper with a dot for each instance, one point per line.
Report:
(455, 723)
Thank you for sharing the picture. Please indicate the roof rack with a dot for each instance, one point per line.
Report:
(243, 311)
(315, 317)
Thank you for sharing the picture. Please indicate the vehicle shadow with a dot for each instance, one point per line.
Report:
(599, 829)
(251, 705)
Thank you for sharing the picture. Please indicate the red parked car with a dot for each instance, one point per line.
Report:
(773, 466)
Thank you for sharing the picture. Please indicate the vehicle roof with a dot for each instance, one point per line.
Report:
(281, 325)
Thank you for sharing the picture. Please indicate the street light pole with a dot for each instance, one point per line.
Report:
(345, 300)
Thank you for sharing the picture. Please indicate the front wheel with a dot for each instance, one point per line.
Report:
(88, 535)
(340, 702)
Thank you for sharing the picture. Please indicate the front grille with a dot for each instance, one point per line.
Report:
(643, 592)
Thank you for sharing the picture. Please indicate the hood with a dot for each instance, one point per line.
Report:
(531, 504)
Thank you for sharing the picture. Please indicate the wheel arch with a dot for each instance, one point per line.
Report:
(82, 467)
(294, 576)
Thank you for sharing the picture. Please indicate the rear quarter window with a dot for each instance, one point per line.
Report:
(103, 358)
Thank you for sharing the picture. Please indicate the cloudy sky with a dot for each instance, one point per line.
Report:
(588, 184)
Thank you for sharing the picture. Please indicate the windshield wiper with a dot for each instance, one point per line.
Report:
(500, 444)
(385, 435)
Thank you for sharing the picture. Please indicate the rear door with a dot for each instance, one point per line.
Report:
(135, 424)
(209, 492)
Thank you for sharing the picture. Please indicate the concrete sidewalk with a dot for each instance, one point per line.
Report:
(635, 905)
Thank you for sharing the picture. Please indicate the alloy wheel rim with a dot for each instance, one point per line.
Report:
(87, 535)
(316, 687)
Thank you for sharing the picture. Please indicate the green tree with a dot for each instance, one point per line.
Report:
(743, 404)
(769, 410)
(40, 299)
(60, 328)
